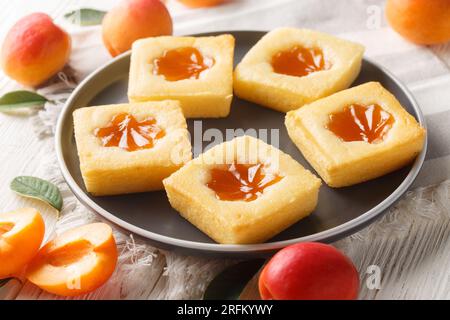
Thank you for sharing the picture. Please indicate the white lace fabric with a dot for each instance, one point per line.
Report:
(410, 244)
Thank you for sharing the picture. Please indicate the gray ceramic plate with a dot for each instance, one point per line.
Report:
(339, 213)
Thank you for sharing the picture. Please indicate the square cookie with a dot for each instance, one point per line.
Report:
(243, 191)
(127, 148)
(356, 135)
(198, 72)
(290, 67)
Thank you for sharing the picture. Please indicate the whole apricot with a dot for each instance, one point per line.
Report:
(34, 49)
(420, 21)
(309, 271)
(76, 262)
(21, 235)
(201, 3)
(131, 20)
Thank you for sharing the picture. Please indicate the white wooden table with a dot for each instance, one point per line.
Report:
(413, 266)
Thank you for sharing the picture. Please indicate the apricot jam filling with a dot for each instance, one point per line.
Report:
(240, 181)
(5, 227)
(70, 253)
(127, 133)
(182, 63)
(361, 123)
(299, 61)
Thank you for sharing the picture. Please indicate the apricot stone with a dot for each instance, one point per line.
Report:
(34, 49)
(309, 271)
(131, 20)
(21, 235)
(420, 21)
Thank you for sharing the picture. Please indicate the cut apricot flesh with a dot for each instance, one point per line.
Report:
(240, 181)
(182, 63)
(70, 253)
(127, 133)
(21, 235)
(5, 227)
(299, 62)
(76, 262)
(361, 123)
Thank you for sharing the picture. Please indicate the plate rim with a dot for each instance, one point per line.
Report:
(328, 235)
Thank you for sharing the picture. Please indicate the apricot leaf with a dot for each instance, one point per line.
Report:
(37, 188)
(229, 284)
(21, 99)
(85, 17)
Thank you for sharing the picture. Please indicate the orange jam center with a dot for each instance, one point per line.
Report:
(299, 61)
(182, 63)
(240, 181)
(127, 133)
(361, 123)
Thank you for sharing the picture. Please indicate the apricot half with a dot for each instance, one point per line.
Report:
(34, 49)
(21, 235)
(420, 21)
(76, 262)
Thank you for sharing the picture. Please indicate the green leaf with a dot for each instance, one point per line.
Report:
(85, 17)
(39, 189)
(229, 284)
(21, 99)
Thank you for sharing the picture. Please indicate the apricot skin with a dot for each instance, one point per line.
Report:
(132, 20)
(201, 3)
(76, 262)
(34, 50)
(21, 241)
(420, 21)
(309, 271)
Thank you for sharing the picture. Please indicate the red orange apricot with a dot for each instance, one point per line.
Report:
(201, 3)
(34, 50)
(420, 21)
(309, 271)
(131, 20)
